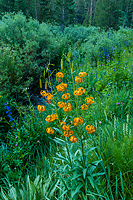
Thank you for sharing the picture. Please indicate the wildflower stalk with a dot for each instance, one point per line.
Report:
(54, 101)
(74, 88)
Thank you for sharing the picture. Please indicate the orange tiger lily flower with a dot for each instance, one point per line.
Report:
(43, 93)
(81, 89)
(78, 120)
(49, 130)
(73, 139)
(61, 87)
(49, 97)
(82, 74)
(66, 127)
(48, 118)
(89, 100)
(59, 75)
(66, 96)
(41, 108)
(90, 129)
(68, 133)
(77, 79)
(77, 92)
(84, 107)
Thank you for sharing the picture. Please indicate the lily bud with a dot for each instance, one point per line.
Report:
(61, 64)
(40, 83)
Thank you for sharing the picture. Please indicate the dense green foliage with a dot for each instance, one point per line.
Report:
(26, 47)
(64, 13)
(38, 165)
(32, 46)
(109, 14)
(105, 13)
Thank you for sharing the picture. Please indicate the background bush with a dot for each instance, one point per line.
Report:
(31, 46)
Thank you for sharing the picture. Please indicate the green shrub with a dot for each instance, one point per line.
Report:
(14, 77)
(103, 46)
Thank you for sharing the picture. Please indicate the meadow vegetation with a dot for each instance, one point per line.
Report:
(78, 143)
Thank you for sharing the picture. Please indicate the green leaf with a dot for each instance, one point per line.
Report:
(90, 149)
(62, 194)
(92, 193)
(98, 174)
(3, 195)
(116, 190)
(77, 189)
(59, 141)
(52, 188)
(60, 157)
(91, 181)
(93, 166)
(78, 151)
(75, 175)
(84, 172)
(64, 183)
(13, 193)
(122, 185)
(36, 181)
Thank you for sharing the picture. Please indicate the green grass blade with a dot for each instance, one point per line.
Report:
(122, 185)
